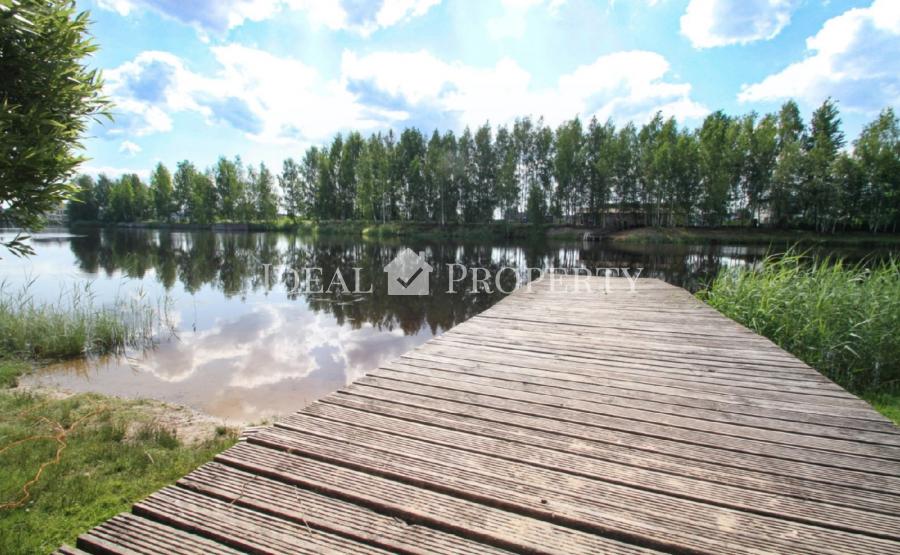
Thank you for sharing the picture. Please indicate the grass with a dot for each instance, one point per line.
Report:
(113, 455)
(70, 463)
(841, 319)
(74, 325)
(751, 236)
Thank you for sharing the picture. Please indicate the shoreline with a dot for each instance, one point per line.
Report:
(751, 236)
(523, 231)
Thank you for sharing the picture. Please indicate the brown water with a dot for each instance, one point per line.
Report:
(247, 346)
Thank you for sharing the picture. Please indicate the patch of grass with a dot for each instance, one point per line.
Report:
(102, 469)
(841, 319)
(10, 370)
(74, 325)
(751, 236)
(886, 403)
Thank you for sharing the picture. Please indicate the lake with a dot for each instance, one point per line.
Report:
(250, 339)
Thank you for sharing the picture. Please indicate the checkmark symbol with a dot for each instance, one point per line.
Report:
(411, 279)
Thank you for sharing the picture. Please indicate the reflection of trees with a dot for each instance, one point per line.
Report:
(233, 263)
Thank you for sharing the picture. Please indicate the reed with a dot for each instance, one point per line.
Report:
(75, 324)
(842, 319)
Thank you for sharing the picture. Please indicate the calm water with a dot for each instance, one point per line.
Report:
(248, 347)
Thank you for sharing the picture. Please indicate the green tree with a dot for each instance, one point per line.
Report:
(163, 192)
(229, 184)
(568, 168)
(599, 166)
(821, 194)
(291, 183)
(790, 171)
(485, 177)
(719, 164)
(264, 194)
(309, 180)
(878, 151)
(47, 97)
(184, 189)
(347, 175)
(203, 198)
(507, 188)
(82, 206)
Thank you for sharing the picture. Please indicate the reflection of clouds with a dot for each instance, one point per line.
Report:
(268, 360)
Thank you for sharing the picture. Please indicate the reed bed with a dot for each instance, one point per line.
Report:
(76, 324)
(842, 319)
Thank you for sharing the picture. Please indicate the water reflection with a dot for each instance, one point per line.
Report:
(249, 347)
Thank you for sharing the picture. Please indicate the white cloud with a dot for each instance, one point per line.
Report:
(218, 16)
(129, 148)
(855, 58)
(271, 99)
(709, 23)
(623, 85)
(281, 101)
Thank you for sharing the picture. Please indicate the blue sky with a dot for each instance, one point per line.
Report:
(264, 79)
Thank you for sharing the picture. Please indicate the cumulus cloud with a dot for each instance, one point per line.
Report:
(218, 16)
(854, 58)
(129, 148)
(277, 100)
(709, 23)
(269, 98)
(624, 85)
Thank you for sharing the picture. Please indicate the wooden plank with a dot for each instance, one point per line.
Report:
(789, 421)
(596, 403)
(486, 523)
(548, 361)
(240, 528)
(576, 438)
(599, 415)
(377, 417)
(128, 533)
(321, 512)
(668, 387)
(587, 425)
(580, 503)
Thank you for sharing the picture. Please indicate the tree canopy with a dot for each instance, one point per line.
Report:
(738, 170)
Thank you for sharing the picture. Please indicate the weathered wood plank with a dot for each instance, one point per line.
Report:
(577, 502)
(482, 522)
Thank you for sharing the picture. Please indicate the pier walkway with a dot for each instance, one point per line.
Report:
(554, 422)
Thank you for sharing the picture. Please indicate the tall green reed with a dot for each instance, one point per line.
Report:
(842, 319)
(76, 324)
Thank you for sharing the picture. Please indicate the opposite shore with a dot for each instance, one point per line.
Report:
(524, 231)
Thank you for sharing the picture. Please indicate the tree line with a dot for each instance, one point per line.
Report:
(772, 169)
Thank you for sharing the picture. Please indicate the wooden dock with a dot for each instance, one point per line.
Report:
(555, 422)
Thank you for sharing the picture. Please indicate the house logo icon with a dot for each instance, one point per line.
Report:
(408, 274)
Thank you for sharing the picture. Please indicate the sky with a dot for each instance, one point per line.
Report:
(266, 79)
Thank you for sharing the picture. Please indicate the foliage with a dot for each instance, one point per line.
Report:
(732, 170)
(47, 96)
(841, 319)
(115, 454)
